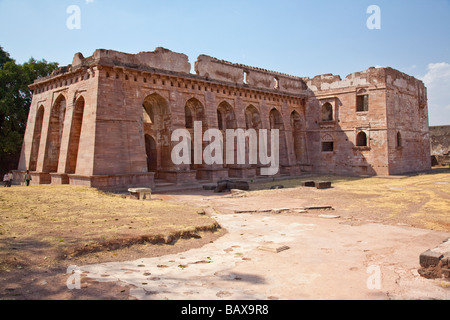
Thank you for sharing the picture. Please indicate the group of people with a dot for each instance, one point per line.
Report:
(8, 179)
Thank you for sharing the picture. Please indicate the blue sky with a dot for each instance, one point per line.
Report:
(303, 38)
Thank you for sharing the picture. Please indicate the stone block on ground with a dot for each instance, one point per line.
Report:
(430, 258)
(140, 193)
(309, 184)
(273, 247)
(323, 185)
(238, 184)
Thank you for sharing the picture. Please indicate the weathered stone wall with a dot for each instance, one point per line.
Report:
(106, 120)
(396, 106)
(214, 69)
(408, 133)
(161, 59)
(440, 143)
(69, 88)
(347, 157)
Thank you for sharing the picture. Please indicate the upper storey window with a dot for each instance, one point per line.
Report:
(246, 77)
(362, 101)
(327, 112)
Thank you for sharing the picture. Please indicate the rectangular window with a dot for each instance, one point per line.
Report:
(327, 146)
(362, 103)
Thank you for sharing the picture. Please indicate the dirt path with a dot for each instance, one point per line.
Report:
(326, 259)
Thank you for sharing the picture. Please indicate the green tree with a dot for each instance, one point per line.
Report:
(15, 101)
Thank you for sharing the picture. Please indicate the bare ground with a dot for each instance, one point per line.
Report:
(420, 201)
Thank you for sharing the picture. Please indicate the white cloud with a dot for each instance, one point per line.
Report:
(89, 1)
(437, 81)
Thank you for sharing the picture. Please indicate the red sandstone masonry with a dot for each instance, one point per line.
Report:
(132, 103)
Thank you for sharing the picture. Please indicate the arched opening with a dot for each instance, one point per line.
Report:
(297, 125)
(55, 130)
(152, 153)
(196, 113)
(252, 121)
(227, 120)
(157, 110)
(226, 116)
(194, 109)
(276, 122)
(36, 139)
(252, 118)
(361, 139)
(157, 124)
(75, 134)
(327, 112)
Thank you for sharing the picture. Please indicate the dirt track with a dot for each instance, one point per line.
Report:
(383, 226)
(335, 256)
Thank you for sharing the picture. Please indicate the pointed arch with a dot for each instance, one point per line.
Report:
(226, 116)
(36, 138)
(75, 135)
(157, 109)
(252, 118)
(297, 134)
(195, 111)
(157, 126)
(54, 135)
(276, 119)
(277, 123)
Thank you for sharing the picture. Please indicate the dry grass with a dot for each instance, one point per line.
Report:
(52, 222)
(421, 201)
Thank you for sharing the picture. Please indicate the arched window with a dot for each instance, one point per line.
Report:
(361, 139)
(327, 112)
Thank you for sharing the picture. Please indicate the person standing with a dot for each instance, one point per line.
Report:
(10, 175)
(6, 179)
(28, 178)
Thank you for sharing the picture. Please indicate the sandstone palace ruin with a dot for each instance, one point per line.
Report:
(106, 121)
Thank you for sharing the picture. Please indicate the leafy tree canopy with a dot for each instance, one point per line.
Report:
(15, 98)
